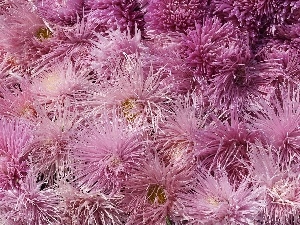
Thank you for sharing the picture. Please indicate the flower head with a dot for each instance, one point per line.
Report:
(29, 204)
(215, 201)
(15, 139)
(152, 192)
(173, 15)
(106, 154)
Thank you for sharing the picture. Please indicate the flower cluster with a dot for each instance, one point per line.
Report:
(149, 112)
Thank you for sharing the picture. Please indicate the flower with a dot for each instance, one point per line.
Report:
(152, 192)
(29, 204)
(278, 121)
(85, 207)
(173, 15)
(280, 184)
(207, 45)
(64, 80)
(118, 14)
(224, 144)
(15, 139)
(24, 34)
(106, 153)
(213, 200)
(60, 12)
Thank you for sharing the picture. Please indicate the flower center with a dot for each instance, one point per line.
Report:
(43, 33)
(156, 193)
(130, 109)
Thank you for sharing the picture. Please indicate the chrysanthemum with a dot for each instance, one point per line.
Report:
(89, 208)
(139, 95)
(280, 183)
(60, 12)
(18, 102)
(118, 14)
(208, 44)
(29, 205)
(225, 144)
(178, 134)
(106, 153)
(60, 81)
(24, 34)
(173, 15)
(278, 120)
(15, 139)
(215, 201)
(54, 133)
(152, 193)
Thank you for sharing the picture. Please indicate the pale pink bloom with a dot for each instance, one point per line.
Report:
(140, 96)
(15, 139)
(278, 121)
(152, 193)
(59, 81)
(54, 132)
(29, 205)
(106, 153)
(24, 34)
(214, 200)
(280, 183)
(82, 207)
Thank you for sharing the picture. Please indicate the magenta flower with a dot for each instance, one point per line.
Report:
(117, 14)
(106, 153)
(85, 207)
(207, 45)
(225, 144)
(30, 205)
(215, 201)
(59, 12)
(15, 139)
(152, 193)
(173, 16)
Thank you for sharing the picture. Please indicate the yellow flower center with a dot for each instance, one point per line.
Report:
(130, 109)
(43, 33)
(156, 193)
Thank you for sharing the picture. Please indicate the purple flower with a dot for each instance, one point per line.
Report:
(173, 16)
(208, 45)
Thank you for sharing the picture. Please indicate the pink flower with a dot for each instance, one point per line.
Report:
(106, 153)
(224, 144)
(152, 193)
(60, 12)
(140, 96)
(278, 120)
(29, 204)
(213, 200)
(60, 81)
(173, 16)
(15, 139)
(24, 34)
(85, 207)
(280, 183)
